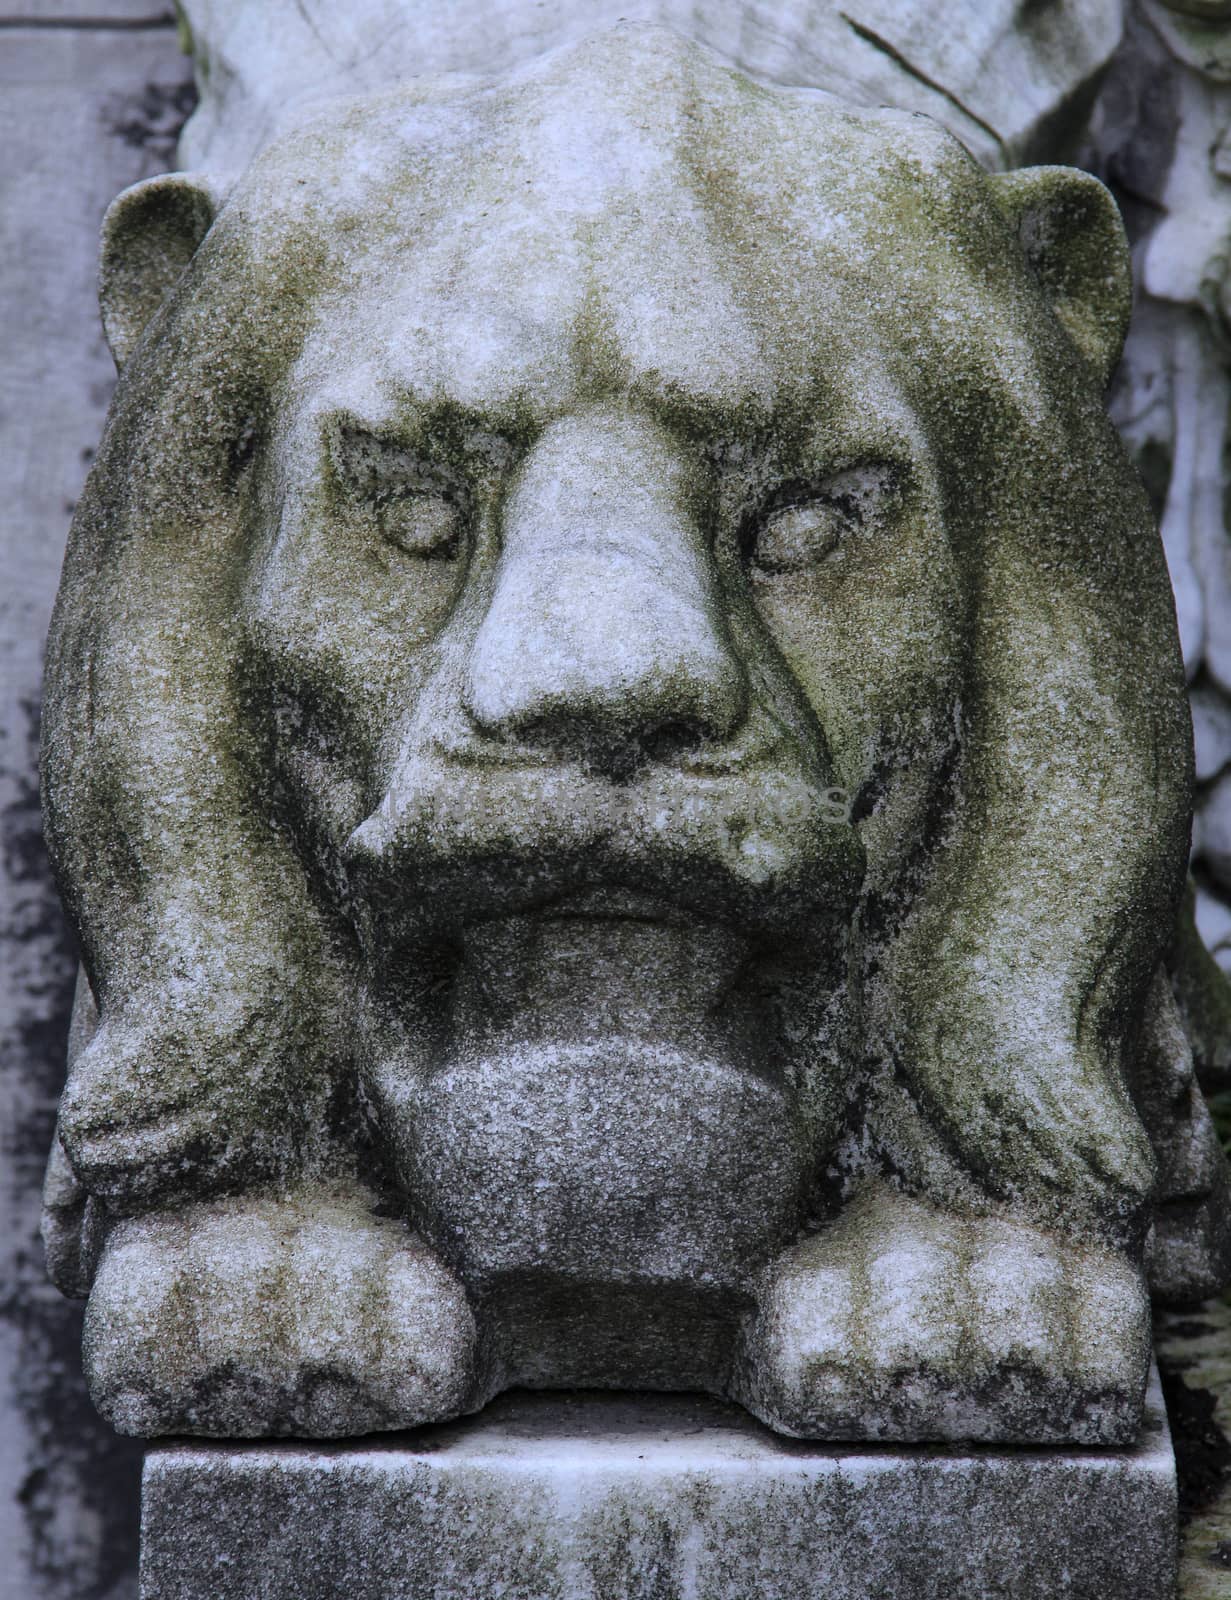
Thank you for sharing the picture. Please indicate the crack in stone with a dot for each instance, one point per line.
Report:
(895, 55)
(159, 19)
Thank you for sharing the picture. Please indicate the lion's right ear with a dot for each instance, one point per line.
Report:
(1070, 231)
(150, 234)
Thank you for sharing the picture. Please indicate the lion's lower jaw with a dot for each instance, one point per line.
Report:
(605, 1203)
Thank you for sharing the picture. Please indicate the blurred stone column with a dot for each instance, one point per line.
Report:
(91, 99)
(1161, 137)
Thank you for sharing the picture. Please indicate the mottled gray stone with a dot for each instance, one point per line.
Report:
(1004, 81)
(1003, 102)
(599, 1497)
(595, 863)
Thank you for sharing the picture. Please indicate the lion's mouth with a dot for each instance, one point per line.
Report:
(599, 1076)
(706, 923)
(600, 964)
(614, 903)
(445, 852)
(585, 964)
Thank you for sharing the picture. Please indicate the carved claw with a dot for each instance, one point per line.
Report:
(900, 1323)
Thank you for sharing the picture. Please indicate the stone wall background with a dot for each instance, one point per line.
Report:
(92, 95)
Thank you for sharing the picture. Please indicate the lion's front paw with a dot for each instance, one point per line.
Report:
(151, 1114)
(251, 1318)
(902, 1323)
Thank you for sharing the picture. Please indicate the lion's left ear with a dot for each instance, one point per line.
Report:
(150, 234)
(1074, 243)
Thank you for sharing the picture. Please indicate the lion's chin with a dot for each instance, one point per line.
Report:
(617, 1161)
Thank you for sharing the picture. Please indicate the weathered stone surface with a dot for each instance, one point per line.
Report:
(897, 1323)
(595, 1497)
(615, 703)
(1009, 81)
(47, 413)
(313, 1313)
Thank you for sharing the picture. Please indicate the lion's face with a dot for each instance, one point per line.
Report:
(609, 635)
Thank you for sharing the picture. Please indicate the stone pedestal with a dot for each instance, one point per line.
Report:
(617, 1497)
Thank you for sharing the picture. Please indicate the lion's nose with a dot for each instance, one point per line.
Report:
(604, 637)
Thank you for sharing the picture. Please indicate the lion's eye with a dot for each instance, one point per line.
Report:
(796, 536)
(808, 524)
(425, 525)
(418, 504)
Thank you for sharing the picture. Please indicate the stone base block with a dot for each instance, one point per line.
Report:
(652, 1497)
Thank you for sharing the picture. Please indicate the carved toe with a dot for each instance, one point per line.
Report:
(900, 1323)
(261, 1318)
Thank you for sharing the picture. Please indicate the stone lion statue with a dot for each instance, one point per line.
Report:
(616, 746)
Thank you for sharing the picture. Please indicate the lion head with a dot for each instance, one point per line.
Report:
(614, 691)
